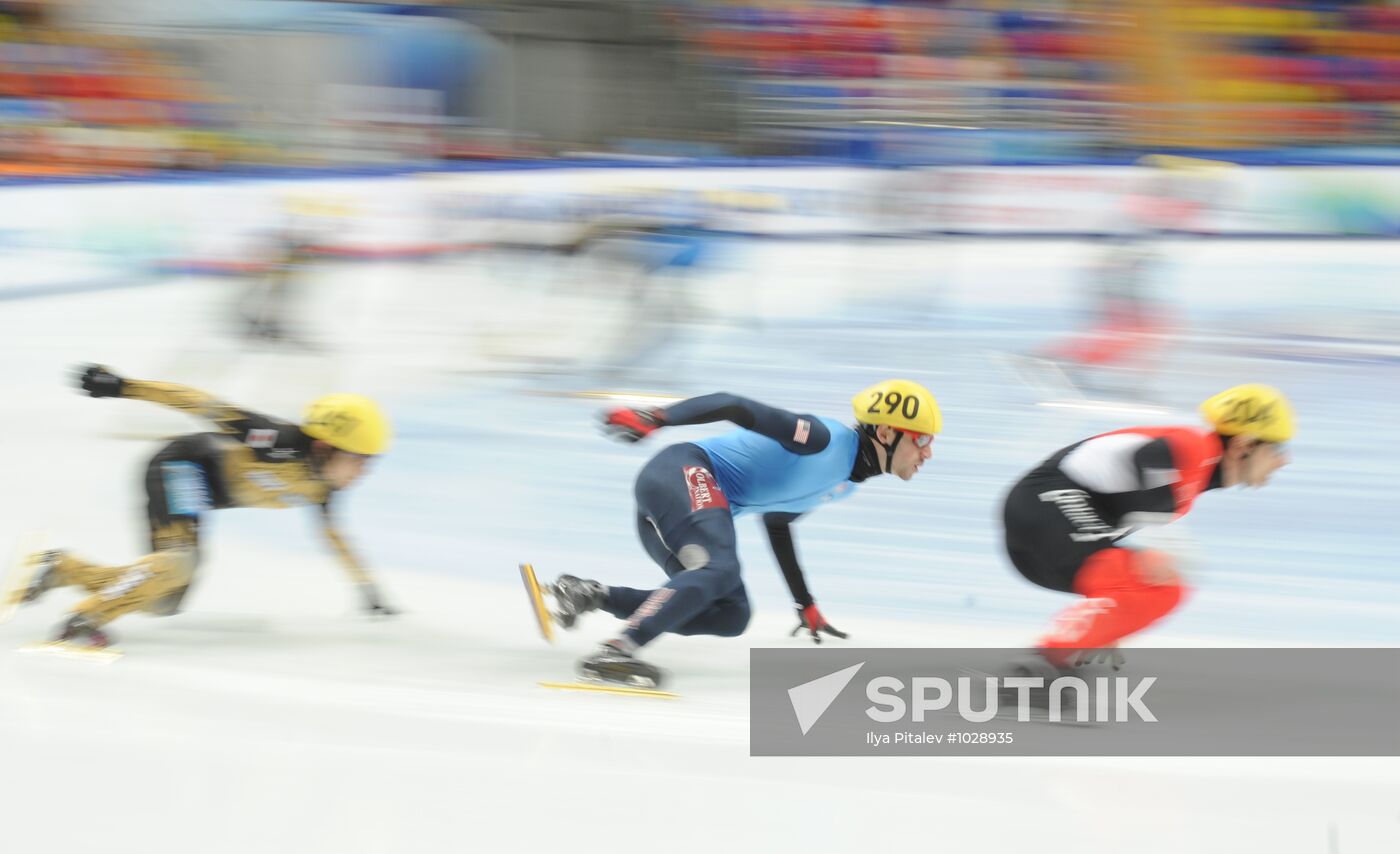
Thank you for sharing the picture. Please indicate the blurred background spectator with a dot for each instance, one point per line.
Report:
(1056, 78)
(127, 86)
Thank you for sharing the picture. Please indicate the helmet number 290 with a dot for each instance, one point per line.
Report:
(894, 402)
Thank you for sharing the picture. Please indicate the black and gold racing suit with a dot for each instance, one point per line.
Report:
(251, 461)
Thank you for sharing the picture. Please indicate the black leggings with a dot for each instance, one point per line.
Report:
(1052, 528)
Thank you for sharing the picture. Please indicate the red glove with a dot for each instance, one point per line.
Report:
(632, 425)
(811, 619)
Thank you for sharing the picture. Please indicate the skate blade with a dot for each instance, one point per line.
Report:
(1040, 715)
(1007, 708)
(61, 649)
(622, 398)
(532, 588)
(1109, 407)
(19, 572)
(1043, 377)
(611, 689)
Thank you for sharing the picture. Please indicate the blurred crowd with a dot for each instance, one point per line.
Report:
(74, 103)
(1095, 75)
(1188, 73)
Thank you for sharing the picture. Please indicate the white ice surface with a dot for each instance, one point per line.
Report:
(269, 718)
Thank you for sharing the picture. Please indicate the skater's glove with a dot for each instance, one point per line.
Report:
(98, 381)
(811, 619)
(374, 605)
(632, 425)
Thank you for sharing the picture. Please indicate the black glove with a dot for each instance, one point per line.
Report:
(98, 381)
(811, 619)
(374, 605)
(632, 425)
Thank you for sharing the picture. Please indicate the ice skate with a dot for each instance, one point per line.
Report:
(78, 638)
(574, 597)
(81, 633)
(44, 569)
(1035, 663)
(30, 578)
(1031, 664)
(613, 665)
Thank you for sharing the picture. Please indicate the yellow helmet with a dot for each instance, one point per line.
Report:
(899, 403)
(1254, 410)
(349, 422)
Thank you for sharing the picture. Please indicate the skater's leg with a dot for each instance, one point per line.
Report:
(95, 578)
(182, 536)
(1040, 539)
(176, 494)
(75, 572)
(156, 583)
(708, 555)
(43, 571)
(140, 586)
(694, 602)
(172, 528)
(72, 571)
(728, 617)
(684, 522)
(1125, 591)
(622, 601)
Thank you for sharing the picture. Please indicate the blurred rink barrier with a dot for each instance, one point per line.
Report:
(558, 268)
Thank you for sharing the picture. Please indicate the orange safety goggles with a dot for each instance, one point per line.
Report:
(920, 440)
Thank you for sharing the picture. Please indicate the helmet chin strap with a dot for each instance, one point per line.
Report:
(889, 447)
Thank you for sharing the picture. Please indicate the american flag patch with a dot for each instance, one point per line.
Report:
(804, 429)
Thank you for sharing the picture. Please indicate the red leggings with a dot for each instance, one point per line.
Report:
(1119, 600)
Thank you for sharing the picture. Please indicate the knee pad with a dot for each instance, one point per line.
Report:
(693, 556)
(722, 570)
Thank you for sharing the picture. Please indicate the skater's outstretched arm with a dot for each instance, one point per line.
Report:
(99, 381)
(354, 569)
(801, 434)
(779, 527)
